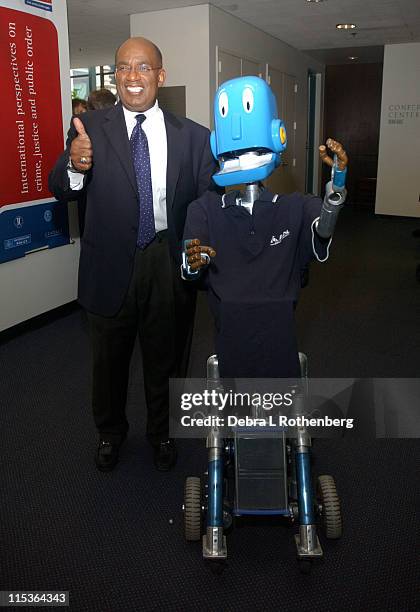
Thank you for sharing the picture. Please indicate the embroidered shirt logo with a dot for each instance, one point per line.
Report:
(274, 240)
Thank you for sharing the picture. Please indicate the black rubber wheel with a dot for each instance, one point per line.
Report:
(192, 509)
(331, 511)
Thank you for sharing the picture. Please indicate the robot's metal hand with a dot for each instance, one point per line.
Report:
(340, 156)
(195, 256)
(335, 190)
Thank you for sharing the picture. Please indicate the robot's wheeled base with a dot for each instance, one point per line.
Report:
(265, 474)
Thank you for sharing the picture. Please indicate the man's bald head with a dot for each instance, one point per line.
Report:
(140, 40)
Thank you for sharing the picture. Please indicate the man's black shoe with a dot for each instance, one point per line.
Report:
(165, 455)
(106, 457)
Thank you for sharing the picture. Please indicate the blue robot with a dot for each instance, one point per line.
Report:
(249, 248)
(248, 137)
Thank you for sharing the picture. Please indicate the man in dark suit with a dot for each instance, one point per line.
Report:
(140, 168)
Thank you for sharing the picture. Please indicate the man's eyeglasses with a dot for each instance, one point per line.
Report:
(140, 68)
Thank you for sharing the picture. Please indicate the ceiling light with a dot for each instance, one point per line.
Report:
(353, 57)
(345, 26)
(316, 1)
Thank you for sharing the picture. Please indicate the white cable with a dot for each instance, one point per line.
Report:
(313, 243)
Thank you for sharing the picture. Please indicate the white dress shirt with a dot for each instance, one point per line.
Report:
(154, 128)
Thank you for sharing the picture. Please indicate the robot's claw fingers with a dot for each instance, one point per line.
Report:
(333, 144)
(208, 250)
(193, 242)
(338, 150)
(342, 158)
(198, 263)
(324, 156)
(191, 250)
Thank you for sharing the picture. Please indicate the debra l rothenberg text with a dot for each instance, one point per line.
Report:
(269, 421)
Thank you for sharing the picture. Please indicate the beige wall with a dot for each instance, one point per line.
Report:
(398, 183)
(183, 37)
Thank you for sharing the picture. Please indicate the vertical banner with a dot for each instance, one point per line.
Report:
(32, 133)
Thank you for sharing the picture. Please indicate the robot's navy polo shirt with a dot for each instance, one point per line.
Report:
(254, 279)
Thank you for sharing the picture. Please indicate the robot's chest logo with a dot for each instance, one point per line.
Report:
(275, 241)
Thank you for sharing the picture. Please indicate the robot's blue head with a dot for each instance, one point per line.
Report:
(248, 136)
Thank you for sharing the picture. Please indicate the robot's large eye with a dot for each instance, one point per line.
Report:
(248, 99)
(223, 104)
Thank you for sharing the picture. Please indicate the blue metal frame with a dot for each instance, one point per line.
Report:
(215, 494)
(283, 512)
(305, 489)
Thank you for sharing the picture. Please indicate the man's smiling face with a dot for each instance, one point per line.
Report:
(138, 90)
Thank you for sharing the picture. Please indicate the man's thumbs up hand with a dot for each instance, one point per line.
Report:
(80, 128)
(81, 153)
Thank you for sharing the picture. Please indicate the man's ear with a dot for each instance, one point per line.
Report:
(161, 77)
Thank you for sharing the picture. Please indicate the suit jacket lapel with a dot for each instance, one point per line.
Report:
(175, 148)
(116, 131)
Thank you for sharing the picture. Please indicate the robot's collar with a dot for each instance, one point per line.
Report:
(230, 198)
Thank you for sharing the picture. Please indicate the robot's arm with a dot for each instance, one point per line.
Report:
(335, 190)
(195, 258)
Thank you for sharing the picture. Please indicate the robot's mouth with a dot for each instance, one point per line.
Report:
(234, 162)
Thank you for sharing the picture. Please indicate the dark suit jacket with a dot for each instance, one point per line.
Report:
(108, 244)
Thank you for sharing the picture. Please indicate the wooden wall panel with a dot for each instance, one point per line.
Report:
(352, 116)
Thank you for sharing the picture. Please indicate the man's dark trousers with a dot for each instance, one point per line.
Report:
(148, 312)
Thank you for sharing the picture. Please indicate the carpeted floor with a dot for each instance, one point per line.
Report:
(115, 540)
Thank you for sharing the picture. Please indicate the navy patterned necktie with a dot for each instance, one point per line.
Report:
(141, 161)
